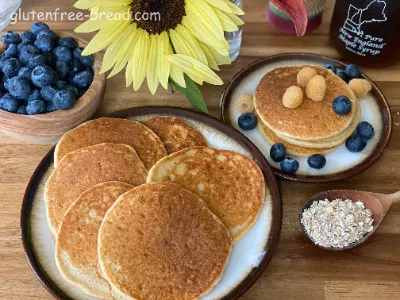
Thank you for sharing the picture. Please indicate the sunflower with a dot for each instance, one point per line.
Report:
(184, 38)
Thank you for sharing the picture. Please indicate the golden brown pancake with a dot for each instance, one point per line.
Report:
(112, 130)
(312, 120)
(291, 149)
(76, 246)
(230, 183)
(83, 169)
(159, 241)
(175, 133)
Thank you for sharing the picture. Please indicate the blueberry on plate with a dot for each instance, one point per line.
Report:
(21, 110)
(11, 67)
(38, 60)
(64, 100)
(87, 61)
(342, 105)
(19, 88)
(246, 121)
(316, 161)
(278, 152)
(63, 53)
(48, 92)
(331, 67)
(9, 103)
(352, 71)
(12, 50)
(365, 130)
(35, 95)
(38, 27)
(36, 107)
(289, 165)
(45, 43)
(355, 143)
(28, 37)
(84, 79)
(68, 42)
(343, 76)
(11, 37)
(25, 72)
(27, 53)
(43, 75)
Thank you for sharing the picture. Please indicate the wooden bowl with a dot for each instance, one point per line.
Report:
(49, 127)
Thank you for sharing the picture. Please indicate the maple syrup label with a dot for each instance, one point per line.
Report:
(352, 32)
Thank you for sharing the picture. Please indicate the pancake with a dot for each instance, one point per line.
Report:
(175, 133)
(76, 246)
(83, 169)
(291, 149)
(312, 120)
(111, 130)
(231, 184)
(334, 141)
(159, 241)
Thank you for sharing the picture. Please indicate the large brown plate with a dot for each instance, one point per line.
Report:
(39, 247)
(254, 72)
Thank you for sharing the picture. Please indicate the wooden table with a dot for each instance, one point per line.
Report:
(299, 270)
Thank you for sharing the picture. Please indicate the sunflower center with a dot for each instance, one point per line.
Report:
(156, 16)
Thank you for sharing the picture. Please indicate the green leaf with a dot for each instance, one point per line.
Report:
(191, 92)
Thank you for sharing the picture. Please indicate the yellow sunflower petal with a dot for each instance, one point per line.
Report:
(227, 24)
(188, 39)
(235, 19)
(222, 59)
(210, 58)
(152, 75)
(235, 9)
(220, 4)
(110, 32)
(88, 4)
(177, 75)
(193, 67)
(141, 59)
(164, 65)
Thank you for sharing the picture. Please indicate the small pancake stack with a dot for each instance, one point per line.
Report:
(311, 128)
(130, 222)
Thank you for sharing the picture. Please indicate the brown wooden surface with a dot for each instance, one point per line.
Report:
(299, 270)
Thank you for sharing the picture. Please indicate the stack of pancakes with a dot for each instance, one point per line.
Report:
(130, 222)
(311, 128)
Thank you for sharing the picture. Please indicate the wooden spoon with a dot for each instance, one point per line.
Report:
(379, 204)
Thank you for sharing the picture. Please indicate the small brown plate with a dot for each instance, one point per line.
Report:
(341, 163)
(250, 256)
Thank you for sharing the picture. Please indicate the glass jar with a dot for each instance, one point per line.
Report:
(367, 32)
(235, 38)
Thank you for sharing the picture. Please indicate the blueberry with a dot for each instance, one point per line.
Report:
(331, 67)
(11, 67)
(246, 121)
(62, 69)
(48, 92)
(63, 53)
(38, 60)
(25, 73)
(38, 26)
(352, 71)
(84, 79)
(28, 37)
(365, 130)
(68, 42)
(11, 37)
(355, 143)
(64, 100)
(43, 75)
(87, 61)
(50, 59)
(12, 50)
(342, 105)
(344, 76)
(50, 107)
(23, 45)
(36, 107)
(9, 103)
(278, 152)
(61, 85)
(77, 52)
(75, 68)
(289, 165)
(74, 90)
(21, 110)
(45, 43)
(3, 58)
(35, 95)
(19, 87)
(27, 53)
(47, 33)
(316, 161)
(6, 80)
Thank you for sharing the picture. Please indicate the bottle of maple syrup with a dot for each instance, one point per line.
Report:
(367, 32)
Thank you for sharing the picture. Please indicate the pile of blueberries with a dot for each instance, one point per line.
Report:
(342, 106)
(41, 73)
